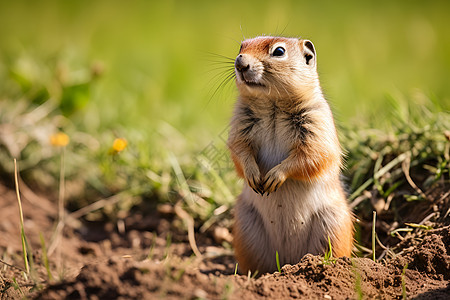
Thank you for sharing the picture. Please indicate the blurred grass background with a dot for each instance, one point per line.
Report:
(146, 71)
(157, 67)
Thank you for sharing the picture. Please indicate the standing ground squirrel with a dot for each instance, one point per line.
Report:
(283, 142)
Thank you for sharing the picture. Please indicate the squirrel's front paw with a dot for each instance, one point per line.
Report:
(273, 180)
(253, 178)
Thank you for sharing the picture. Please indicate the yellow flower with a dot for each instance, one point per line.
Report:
(119, 144)
(59, 139)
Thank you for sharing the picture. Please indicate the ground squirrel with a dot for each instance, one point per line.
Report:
(283, 142)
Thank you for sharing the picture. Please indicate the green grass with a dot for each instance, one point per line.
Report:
(45, 257)
(374, 233)
(358, 280)
(277, 258)
(328, 255)
(167, 248)
(152, 247)
(29, 273)
(164, 166)
(367, 52)
(17, 287)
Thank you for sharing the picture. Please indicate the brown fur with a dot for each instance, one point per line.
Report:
(283, 142)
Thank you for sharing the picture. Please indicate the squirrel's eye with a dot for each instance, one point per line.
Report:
(279, 51)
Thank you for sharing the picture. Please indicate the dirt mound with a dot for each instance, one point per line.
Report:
(431, 257)
(150, 259)
(426, 275)
(420, 272)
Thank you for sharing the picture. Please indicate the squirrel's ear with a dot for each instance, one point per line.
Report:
(308, 51)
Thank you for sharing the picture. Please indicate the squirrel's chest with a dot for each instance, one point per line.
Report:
(272, 142)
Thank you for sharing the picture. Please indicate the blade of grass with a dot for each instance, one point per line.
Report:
(57, 234)
(330, 247)
(405, 167)
(404, 295)
(99, 204)
(219, 181)
(396, 231)
(168, 243)
(419, 226)
(278, 261)
(380, 173)
(16, 286)
(45, 257)
(152, 247)
(22, 232)
(373, 234)
(196, 204)
(328, 256)
(11, 266)
(358, 280)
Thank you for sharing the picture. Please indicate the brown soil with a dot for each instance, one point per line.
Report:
(150, 258)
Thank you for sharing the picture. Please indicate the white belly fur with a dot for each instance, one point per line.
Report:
(295, 219)
(289, 221)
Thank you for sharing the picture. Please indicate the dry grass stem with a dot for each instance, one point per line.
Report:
(182, 214)
(95, 206)
(57, 235)
(22, 232)
(11, 266)
(405, 167)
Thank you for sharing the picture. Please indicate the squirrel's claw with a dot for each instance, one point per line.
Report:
(273, 180)
(252, 176)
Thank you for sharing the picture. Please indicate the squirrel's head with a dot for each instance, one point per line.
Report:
(276, 67)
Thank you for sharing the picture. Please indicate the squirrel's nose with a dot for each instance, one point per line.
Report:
(241, 63)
